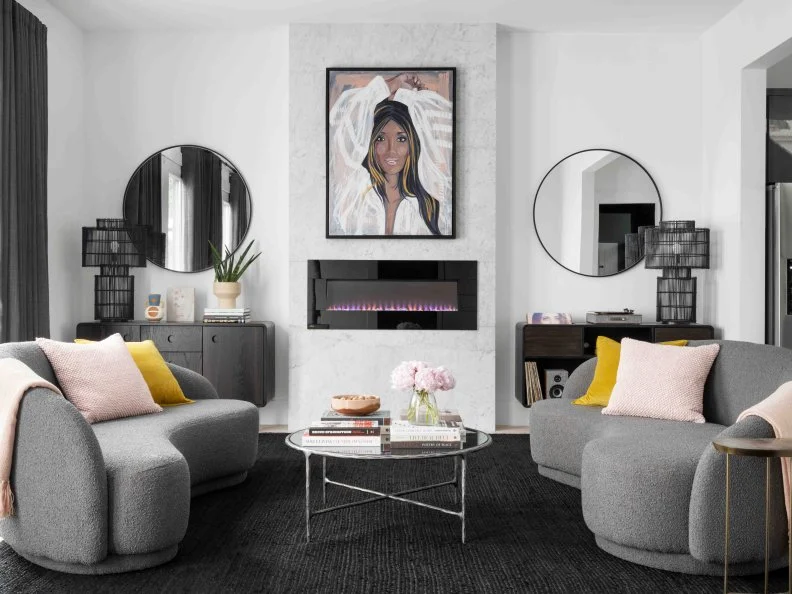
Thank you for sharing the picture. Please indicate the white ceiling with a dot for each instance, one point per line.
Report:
(595, 16)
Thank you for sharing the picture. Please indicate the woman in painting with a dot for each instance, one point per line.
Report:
(390, 167)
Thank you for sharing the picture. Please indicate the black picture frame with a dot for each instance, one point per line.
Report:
(452, 97)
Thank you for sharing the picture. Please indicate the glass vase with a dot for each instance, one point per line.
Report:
(423, 409)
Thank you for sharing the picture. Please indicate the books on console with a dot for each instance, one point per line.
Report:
(221, 315)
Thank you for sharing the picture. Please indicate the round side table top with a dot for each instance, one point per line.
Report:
(767, 447)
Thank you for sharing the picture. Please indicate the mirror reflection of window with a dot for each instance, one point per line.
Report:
(225, 183)
(176, 243)
(228, 240)
(187, 196)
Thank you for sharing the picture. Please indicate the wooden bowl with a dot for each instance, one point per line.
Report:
(355, 404)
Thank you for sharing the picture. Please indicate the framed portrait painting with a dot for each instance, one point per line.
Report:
(390, 152)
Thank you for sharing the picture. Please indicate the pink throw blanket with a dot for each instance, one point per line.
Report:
(16, 378)
(776, 409)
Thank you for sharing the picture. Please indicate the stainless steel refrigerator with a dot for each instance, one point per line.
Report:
(778, 258)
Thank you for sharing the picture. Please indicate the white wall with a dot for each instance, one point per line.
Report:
(735, 55)
(779, 76)
(71, 287)
(559, 93)
(327, 362)
(224, 90)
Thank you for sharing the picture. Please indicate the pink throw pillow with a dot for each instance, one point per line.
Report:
(661, 382)
(100, 379)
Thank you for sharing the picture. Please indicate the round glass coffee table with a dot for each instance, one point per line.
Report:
(475, 440)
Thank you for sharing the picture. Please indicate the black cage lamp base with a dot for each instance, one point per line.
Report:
(114, 296)
(676, 297)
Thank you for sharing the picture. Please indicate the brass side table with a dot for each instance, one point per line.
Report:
(767, 448)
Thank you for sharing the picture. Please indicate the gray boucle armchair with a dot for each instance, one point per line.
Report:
(115, 496)
(653, 492)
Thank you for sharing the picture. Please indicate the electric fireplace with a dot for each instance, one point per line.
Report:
(392, 294)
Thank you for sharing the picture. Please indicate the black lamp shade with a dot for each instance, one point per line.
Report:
(677, 244)
(111, 243)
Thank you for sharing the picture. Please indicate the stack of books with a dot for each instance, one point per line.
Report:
(370, 432)
(446, 435)
(219, 315)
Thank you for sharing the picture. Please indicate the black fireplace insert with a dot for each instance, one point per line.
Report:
(392, 294)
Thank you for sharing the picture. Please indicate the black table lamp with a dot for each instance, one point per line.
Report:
(676, 247)
(114, 246)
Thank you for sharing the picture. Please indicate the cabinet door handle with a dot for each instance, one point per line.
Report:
(126, 337)
(170, 338)
(214, 338)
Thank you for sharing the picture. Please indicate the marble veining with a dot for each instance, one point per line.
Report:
(323, 362)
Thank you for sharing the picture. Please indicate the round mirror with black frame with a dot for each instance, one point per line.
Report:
(187, 196)
(590, 211)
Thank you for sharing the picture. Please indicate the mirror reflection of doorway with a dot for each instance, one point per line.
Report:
(608, 262)
(616, 222)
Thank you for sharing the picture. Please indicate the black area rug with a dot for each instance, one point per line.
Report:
(525, 534)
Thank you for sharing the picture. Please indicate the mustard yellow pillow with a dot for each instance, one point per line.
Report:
(608, 353)
(164, 387)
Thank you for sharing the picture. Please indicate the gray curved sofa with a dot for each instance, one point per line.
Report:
(115, 496)
(652, 491)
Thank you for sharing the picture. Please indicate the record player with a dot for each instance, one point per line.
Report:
(626, 316)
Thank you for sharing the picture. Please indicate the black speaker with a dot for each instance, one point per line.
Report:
(554, 382)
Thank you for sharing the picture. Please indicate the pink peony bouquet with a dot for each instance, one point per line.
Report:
(423, 381)
(418, 376)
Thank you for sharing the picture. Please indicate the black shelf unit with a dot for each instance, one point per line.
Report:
(566, 346)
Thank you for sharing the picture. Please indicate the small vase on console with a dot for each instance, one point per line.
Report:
(154, 310)
(227, 294)
(228, 270)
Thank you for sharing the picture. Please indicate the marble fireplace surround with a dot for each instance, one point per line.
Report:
(321, 362)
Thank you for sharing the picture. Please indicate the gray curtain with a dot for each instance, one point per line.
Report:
(24, 290)
(201, 170)
(239, 209)
(143, 206)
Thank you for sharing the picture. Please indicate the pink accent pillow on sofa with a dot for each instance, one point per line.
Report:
(661, 382)
(100, 379)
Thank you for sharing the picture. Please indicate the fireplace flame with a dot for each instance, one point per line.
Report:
(392, 306)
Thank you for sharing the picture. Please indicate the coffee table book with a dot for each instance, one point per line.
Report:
(445, 435)
(447, 414)
(317, 429)
(407, 446)
(380, 417)
(344, 440)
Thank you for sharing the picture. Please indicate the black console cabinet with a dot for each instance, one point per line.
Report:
(239, 359)
(565, 346)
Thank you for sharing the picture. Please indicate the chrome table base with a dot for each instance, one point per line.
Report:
(458, 482)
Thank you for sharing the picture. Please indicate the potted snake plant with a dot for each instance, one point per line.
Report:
(228, 270)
